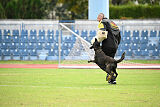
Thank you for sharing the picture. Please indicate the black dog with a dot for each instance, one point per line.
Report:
(106, 63)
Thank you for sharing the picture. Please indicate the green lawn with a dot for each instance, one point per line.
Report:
(78, 88)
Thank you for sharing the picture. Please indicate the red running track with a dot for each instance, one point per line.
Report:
(55, 66)
(48, 66)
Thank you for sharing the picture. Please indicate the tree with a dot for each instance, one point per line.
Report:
(72, 9)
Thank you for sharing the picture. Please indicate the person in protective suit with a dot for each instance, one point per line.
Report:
(112, 40)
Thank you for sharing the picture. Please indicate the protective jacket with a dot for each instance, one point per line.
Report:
(113, 37)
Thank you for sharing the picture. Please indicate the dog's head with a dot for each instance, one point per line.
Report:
(95, 45)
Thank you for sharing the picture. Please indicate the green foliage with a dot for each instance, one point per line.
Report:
(22, 9)
(134, 11)
(2, 12)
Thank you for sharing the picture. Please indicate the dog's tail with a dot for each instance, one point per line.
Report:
(122, 57)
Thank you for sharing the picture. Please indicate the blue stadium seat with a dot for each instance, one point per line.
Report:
(129, 52)
(144, 33)
(5, 45)
(24, 38)
(39, 46)
(127, 33)
(16, 36)
(64, 53)
(76, 31)
(67, 40)
(153, 33)
(13, 45)
(22, 45)
(64, 46)
(159, 34)
(0, 53)
(31, 45)
(125, 46)
(51, 52)
(127, 40)
(70, 45)
(50, 36)
(144, 40)
(55, 46)
(92, 33)
(137, 53)
(120, 52)
(0, 36)
(24, 32)
(48, 46)
(24, 52)
(134, 46)
(145, 52)
(7, 36)
(42, 36)
(33, 52)
(155, 53)
(33, 36)
(143, 46)
(16, 52)
(84, 34)
(57, 36)
(135, 33)
(7, 52)
(136, 40)
(152, 47)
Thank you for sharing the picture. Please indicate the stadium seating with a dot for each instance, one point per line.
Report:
(5, 45)
(13, 45)
(135, 33)
(137, 53)
(145, 52)
(24, 52)
(16, 36)
(50, 36)
(152, 47)
(126, 40)
(48, 46)
(127, 33)
(155, 53)
(39, 46)
(129, 53)
(84, 34)
(136, 40)
(42, 37)
(18, 44)
(144, 40)
(134, 46)
(33, 36)
(0, 36)
(144, 33)
(153, 33)
(23, 45)
(7, 36)
(143, 46)
(125, 46)
(31, 45)
(15, 52)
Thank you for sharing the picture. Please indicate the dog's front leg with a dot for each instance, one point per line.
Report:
(91, 61)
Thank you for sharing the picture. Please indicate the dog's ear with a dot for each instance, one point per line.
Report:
(91, 47)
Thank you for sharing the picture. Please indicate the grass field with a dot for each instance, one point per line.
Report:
(78, 88)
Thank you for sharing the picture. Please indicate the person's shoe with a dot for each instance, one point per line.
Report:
(112, 82)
